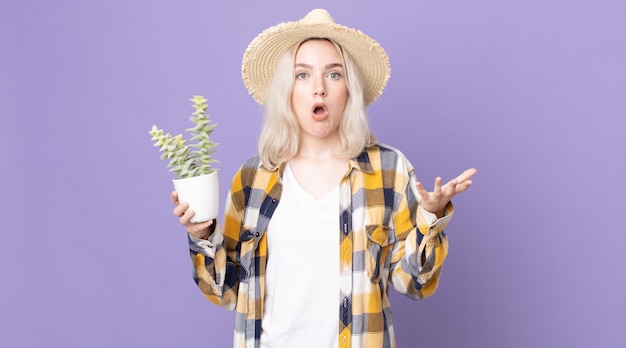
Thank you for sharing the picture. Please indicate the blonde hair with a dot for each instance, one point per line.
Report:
(280, 135)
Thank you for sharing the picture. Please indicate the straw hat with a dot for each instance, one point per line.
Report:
(261, 56)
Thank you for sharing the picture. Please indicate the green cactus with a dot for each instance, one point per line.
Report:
(196, 158)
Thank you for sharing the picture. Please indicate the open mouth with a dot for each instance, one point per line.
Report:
(320, 109)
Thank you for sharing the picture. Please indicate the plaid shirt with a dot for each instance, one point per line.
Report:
(385, 236)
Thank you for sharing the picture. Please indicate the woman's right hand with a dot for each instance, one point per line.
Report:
(200, 230)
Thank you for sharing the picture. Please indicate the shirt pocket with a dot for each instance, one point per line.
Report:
(380, 240)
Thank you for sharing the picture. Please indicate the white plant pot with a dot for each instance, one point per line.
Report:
(202, 194)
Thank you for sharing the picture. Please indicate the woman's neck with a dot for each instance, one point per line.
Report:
(319, 148)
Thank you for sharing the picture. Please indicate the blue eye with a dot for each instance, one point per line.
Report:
(334, 75)
(302, 76)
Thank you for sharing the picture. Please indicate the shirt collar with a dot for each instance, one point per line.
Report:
(362, 162)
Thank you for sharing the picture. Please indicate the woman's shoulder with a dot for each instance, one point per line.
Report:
(387, 157)
(253, 162)
(253, 171)
(386, 148)
(385, 151)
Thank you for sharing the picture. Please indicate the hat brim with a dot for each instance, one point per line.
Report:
(262, 55)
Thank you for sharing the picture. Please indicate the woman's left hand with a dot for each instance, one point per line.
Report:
(436, 201)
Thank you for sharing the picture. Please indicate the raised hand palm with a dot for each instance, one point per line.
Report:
(437, 200)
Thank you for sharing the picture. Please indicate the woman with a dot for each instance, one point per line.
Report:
(321, 221)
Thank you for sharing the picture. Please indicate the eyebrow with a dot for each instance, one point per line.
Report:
(328, 66)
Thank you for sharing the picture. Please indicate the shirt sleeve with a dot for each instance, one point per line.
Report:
(215, 265)
(421, 245)
(206, 246)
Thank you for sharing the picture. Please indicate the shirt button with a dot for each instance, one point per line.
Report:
(345, 303)
(274, 200)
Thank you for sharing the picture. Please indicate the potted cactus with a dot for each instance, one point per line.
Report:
(196, 180)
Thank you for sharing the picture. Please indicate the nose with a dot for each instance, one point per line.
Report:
(319, 88)
(320, 92)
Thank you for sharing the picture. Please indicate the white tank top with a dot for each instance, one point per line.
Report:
(302, 296)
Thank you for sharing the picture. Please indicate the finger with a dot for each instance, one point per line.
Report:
(180, 209)
(421, 190)
(450, 188)
(453, 188)
(437, 190)
(174, 197)
(186, 217)
(463, 186)
(466, 175)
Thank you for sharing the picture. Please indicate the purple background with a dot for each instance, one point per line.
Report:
(532, 93)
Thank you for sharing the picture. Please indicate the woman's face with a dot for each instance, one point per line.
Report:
(320, 90)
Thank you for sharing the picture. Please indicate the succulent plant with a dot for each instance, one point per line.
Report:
(194, 159)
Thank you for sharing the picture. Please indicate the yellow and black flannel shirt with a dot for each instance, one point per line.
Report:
(385, 237)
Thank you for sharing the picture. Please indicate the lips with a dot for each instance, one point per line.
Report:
(319, 111)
